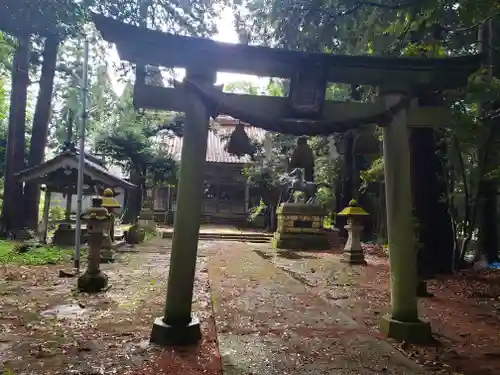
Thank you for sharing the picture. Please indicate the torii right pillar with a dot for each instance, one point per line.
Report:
(403, 323)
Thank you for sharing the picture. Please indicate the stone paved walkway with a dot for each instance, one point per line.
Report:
(269, 323)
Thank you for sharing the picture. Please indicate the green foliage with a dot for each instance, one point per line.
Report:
(326, 198)
(361, 27)
(374, 173)
(6, 50)
(34, 257)
(191, 17)
(242, 87)
(63, 17)
(149, 234)
(131, 140)
(56, 212)
(44, 17)
(257, 211)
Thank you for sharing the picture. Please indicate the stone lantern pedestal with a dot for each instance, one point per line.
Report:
(111, 204)
(94, 280)
(300, 227)
(353, 252)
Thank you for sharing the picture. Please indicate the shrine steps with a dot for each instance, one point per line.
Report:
(238, 237)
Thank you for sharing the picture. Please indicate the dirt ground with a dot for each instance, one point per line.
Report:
(48, 329)
(464, 314)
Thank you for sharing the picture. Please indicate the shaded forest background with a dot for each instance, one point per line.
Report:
(455, 171)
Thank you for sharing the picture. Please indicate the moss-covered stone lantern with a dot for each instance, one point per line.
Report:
(112, 205)
(353, 252)
(96, 217)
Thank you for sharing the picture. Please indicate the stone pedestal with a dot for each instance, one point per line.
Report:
(353, 252)
(300, 226)
(334, 238)
(64, 235)
(107, 254)
(415, 332)
(164, 334)
(135, 235)
(111, 204)
(147, 221)
(94, 280)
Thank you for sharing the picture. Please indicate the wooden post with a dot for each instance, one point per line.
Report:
(403, 323)
(247, 196)
(45, 218)
(178, 326)
(67, 213)
(167, 204)
(268, 148)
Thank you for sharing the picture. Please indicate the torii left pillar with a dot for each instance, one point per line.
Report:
(179, 326)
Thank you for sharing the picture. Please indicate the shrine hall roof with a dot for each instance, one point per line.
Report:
(68, 160)
(216, 143)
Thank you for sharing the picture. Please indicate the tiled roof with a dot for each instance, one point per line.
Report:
(69, 159)
(215, 144)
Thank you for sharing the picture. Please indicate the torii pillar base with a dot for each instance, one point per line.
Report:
(412, 332)
(164, 334)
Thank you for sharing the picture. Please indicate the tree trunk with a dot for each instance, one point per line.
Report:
(443, 224)
(425, 198)
(487, 221)
(381, 214)
(40, 129)
(135, 198)
(347, 180)
(134, 201)
(12, 196)
(435, 231)
(487, 205)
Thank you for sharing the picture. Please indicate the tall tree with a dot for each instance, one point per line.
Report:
(40, 128)
(130, 140)
(488, 185)
(11, 215)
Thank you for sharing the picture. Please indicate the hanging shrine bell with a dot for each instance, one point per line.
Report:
(239, 143)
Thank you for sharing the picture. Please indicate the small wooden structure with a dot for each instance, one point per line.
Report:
(400, 82)
(60, 175)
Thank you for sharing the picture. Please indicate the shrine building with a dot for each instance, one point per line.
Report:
(227, 197)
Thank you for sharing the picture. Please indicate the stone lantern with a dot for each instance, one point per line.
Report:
(112, 205)
(96, 217)
(353, 252)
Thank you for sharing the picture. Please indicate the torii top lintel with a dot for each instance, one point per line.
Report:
(150, 47)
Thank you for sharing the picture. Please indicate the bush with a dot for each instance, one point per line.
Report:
(56, 213)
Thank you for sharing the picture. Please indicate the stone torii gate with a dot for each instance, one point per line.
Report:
(400, 82)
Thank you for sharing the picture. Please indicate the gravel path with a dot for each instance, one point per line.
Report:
(269, 323)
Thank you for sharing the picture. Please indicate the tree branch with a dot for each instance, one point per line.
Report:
(386, 6)
(469, 28)
(357, 6)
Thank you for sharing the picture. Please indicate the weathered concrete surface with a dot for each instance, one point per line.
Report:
(269, 323)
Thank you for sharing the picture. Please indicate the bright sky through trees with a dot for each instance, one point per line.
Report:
(226, 34)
